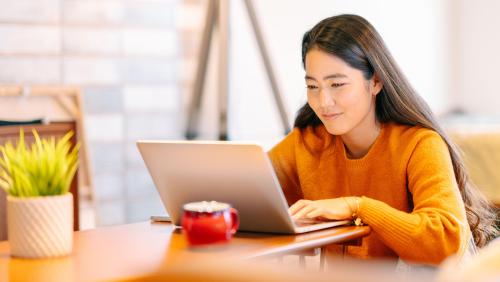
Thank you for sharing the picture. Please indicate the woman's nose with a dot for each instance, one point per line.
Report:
(326, 99)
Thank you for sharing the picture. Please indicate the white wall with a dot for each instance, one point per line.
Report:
(123, 55)
(417, 33)
(478, 57)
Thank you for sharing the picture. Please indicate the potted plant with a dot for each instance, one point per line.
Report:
(39, 206)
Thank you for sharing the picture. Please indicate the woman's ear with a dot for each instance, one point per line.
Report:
(375, 85)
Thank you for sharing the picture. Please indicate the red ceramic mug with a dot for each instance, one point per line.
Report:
(209, 222)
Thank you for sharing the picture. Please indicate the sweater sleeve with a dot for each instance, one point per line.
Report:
(284, 162)
(437, 227)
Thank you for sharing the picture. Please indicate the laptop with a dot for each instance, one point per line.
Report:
(240, 174)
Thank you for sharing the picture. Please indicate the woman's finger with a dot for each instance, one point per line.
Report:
(315, 213)
(305, 210)
(298, 206)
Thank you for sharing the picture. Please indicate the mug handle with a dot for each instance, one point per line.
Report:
(235, 220)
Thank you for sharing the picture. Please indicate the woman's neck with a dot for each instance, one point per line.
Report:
(359, 140)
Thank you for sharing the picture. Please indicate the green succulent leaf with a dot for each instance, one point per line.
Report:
(45, 168)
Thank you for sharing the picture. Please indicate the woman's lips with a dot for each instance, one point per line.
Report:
(330, 116)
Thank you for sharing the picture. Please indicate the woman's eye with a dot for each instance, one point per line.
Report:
(337, 84)
(311, 87)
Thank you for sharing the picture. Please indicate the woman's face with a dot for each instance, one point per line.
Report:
(339, 94)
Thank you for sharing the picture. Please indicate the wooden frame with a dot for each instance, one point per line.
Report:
(217, 15)
(56, 103)
(52, 103)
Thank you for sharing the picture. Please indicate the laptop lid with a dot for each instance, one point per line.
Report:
(236, 173)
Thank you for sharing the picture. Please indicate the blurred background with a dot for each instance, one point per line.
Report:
(135, 63)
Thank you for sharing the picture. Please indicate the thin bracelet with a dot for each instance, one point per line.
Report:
(357, 221)
(357, 205)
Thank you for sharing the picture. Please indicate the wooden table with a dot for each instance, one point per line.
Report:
(134, 250)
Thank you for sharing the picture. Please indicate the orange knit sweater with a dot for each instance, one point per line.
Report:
(410, 197)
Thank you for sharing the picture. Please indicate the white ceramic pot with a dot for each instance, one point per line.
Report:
(40, 227)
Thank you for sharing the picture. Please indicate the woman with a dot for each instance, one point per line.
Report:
(365, 146)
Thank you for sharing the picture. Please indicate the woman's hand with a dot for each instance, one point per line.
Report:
(333, 209)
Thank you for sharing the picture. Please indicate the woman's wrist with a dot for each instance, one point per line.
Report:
(354, 203)
(358, 220)
(357, 200)
(351, 203)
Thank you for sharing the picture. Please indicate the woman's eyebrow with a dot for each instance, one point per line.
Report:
(335, 75)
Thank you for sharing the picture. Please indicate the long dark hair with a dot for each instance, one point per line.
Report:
(354, 40)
